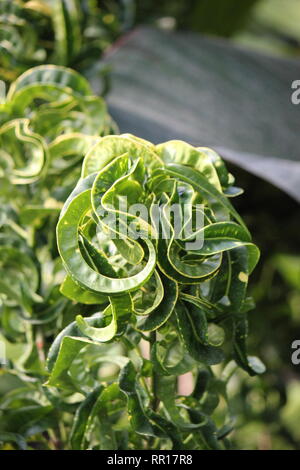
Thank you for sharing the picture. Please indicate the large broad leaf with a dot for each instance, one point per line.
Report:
(208, 92)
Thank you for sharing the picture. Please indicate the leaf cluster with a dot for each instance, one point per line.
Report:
(153, 289)
(70, 33)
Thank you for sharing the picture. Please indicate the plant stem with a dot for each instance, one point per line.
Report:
(155, 399)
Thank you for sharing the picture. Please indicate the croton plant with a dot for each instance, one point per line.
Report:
(143, 280)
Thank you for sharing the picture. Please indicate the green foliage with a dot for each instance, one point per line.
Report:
(152, 289)
(72, 32)
(221, 18)
(266, 406)
(49, 119)
(272, 27)
(77, 373)
(99, 329)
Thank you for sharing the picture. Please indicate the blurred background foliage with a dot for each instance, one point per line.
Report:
(270, 25)
(73, 33)
(76, 33)
(268, 407)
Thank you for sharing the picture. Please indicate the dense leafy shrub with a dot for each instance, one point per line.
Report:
(49, 119)
(98, 335)
(120, 293)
